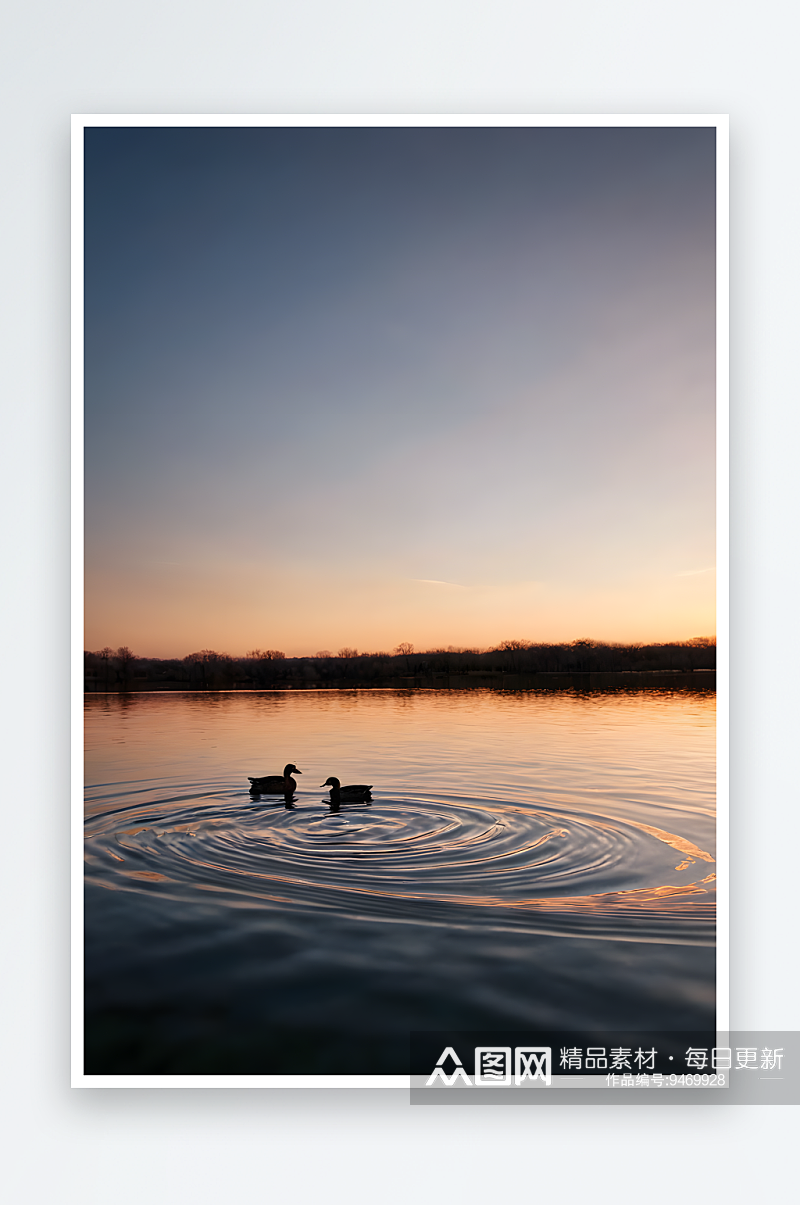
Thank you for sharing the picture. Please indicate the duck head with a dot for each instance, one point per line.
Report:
(287, 770)
(331, 782)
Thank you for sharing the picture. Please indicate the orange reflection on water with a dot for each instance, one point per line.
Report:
(680, 843)
(482, 798)
(481, 742)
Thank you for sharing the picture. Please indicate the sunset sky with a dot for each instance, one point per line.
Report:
(363, 386)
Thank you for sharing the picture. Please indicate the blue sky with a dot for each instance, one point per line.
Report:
(358, 386)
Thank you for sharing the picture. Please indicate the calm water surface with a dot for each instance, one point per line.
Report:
(529, 860)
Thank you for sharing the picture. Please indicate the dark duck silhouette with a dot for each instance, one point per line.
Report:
(275, 784)
(349, 794)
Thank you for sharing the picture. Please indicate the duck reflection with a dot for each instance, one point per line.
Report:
(288, 801)
(335, 806)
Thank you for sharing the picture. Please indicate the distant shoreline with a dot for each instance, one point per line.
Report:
(698, 679)
(514, 664)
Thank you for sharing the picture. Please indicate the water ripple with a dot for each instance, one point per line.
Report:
(419, 858)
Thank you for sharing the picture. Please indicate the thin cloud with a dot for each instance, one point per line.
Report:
(694, 572)
(432, 581)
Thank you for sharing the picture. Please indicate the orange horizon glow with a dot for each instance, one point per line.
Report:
(378, 616)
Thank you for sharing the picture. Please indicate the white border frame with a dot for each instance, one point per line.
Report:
(79, 122)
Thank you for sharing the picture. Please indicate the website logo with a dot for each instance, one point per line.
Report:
(532, 1063)
(493, 1067)
(440, 1073)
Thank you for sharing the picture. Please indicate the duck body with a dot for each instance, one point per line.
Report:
(354, 793)
(275, 784)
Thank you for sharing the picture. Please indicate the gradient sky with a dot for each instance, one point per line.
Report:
(358, 386)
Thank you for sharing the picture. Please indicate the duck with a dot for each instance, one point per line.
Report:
(275, 784)
(349, 794)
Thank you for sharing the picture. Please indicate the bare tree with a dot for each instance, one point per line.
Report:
(105, 656)
(206, 659)
(125, 657)
(513, 648)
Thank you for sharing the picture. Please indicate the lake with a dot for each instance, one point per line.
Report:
(530, 859)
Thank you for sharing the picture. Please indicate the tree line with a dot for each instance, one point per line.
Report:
(120, 669)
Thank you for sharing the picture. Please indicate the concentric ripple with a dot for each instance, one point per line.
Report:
(425, 859)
